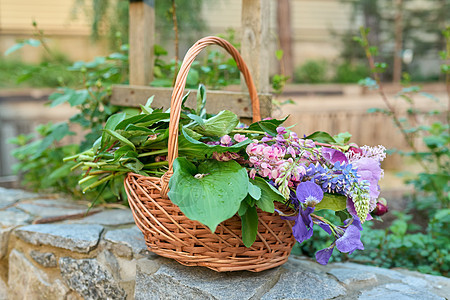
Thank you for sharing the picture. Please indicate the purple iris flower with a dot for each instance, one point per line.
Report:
(350, 241)
(303, 227)
(333, 155)
(323, 256)
(310, 194)
(347, 243)
(370, 170)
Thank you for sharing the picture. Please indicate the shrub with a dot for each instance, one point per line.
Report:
(312, 71)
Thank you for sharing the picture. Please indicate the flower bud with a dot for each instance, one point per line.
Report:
(381, 208)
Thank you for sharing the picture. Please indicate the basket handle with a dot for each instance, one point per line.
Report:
(177, 95)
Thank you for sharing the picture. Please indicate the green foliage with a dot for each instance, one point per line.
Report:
(312, 71)
(111, 18)
(41, 155)
(209, 193)
(350, 73)
(14, 73)
(422, 246)
(216, 69)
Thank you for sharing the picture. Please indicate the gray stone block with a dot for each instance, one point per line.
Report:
(45, 259)
(88, 278)
(74, 237)
(391, 274)
(11, 196)
(25, 281)
(126, 242)
(14, 217)
(305, 285)
(109, 217)
(398, 291)
(348, 276)
(174, 281)
(51, 208)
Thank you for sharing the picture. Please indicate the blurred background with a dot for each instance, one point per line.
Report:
(389, 85)
(320, 62)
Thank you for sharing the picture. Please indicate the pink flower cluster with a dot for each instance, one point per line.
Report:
(282, 158)
(226, 141)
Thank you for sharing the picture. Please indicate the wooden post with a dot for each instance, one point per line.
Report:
(255, 41)
(142, 36)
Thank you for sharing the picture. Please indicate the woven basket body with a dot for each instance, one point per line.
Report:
(169, 233)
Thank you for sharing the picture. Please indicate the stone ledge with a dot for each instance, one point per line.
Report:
(122, 268)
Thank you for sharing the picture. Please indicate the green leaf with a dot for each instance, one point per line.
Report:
(269, 194)
(279, 54)
(342, 138)
(147, 107)
(120, 138)
(322, 137)
(30, 42)
(201, 100)
(59, 98)
(219, 125)
(249, 226)
(269, 126)
(211, 193)
(199, 120)
(333, 202)
(254, 191)
(243, 208)
(111, 124)
(78, 97)
(189, 146)
(59, 131)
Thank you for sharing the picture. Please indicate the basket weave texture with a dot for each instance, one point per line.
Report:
(169, 233)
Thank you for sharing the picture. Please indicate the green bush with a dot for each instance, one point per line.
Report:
(351, 73)
(312, 71)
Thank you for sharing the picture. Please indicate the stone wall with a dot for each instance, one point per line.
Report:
(103, 256)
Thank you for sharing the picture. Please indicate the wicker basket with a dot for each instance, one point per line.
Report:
(169, 233)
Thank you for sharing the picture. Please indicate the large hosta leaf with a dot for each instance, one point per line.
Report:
(210, 193)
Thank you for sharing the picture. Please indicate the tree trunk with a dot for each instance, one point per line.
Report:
(285, 37)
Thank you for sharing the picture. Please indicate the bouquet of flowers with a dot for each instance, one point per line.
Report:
(225, 169)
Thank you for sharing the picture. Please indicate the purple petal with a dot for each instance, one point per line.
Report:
(325, 227)
(303, 227)
(356, 222)
(309, 191)
(323, 256)
(350, 241)
(333, 155)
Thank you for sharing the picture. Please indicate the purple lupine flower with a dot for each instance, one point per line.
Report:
(281, 130)
(323, 256)
(309, 193)
(332, 156)
(351, 209)
(303, 227)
